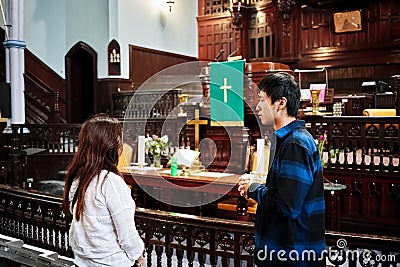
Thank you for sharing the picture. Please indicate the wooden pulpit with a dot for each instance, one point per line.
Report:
(226, 149)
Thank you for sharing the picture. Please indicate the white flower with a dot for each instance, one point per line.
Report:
(164, 139)
(156, 145)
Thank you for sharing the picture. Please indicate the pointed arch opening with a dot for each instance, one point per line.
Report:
(81, 82)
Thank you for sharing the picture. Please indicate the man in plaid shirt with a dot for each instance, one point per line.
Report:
(290, 217)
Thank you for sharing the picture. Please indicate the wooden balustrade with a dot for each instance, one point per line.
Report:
(368, 145)
(368, 162)
(40, 151)
(54, 138)
(145, 105)
(37, 219)
(45, 87)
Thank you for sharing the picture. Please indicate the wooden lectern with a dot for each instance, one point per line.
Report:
(232, 147)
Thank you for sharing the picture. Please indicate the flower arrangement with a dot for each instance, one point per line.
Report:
(156, 146)
(321, 142)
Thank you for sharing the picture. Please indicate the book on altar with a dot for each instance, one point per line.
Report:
(186, 157)
(305, 94)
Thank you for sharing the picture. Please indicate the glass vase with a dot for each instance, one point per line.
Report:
(157, 160)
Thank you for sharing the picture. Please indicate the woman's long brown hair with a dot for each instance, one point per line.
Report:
(100, 141)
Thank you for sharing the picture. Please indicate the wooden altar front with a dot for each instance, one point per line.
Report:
(196, 194)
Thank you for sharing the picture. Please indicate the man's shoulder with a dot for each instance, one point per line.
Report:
(302, 137)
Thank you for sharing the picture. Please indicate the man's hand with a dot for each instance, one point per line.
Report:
(244, 183)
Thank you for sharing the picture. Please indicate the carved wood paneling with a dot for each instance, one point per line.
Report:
(214, 35)
(304, 34)
(209, 7)
(262, 34)
(375, 43)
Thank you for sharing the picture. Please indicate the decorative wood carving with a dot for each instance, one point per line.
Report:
(237, 16)
(286, 8)
(207, 240)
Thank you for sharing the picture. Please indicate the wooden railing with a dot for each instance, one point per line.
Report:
(367, 144)
(37, 219)
(42, 103)
(40, 151)
(372, 192)
(145, 104)
(45, 85)
(55, 138)
(368, 164)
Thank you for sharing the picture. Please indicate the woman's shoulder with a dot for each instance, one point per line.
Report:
(111, 184)
(111, 178)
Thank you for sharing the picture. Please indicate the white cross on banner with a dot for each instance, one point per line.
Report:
(226, 93)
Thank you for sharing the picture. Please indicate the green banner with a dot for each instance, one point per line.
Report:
(226, 93)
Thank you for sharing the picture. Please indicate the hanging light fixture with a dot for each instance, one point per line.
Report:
(170, 3)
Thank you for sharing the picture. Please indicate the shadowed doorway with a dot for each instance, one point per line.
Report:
(81, 82)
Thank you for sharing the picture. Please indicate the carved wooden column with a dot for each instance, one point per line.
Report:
(286, 37)
(240, 21)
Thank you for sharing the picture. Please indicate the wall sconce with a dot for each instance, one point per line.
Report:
(170, 3)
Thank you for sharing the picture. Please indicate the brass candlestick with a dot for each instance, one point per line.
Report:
(182, 99)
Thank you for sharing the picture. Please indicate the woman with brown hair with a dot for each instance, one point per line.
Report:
(103, 231)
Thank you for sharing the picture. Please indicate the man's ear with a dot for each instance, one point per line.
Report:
(282, 103)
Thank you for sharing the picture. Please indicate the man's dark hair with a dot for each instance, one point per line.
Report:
(282, 84)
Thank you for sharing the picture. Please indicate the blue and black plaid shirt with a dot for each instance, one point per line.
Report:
(290, 218)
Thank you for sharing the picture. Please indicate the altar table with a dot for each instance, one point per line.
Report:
(212, 188)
